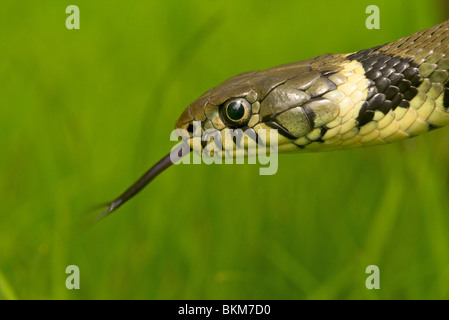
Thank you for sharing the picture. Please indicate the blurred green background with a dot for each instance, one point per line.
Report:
(83, 113)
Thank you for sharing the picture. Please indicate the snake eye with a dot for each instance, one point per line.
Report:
(236, 112)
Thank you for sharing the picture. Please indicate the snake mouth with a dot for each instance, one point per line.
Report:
(176, 154)
(234, 142)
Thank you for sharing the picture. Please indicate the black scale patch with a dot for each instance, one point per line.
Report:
(393, 83)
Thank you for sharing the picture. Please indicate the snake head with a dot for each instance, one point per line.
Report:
(285, 103)
(286, 100)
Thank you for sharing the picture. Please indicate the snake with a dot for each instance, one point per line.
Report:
(334, 101)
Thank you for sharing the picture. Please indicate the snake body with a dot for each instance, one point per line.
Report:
(334, 101)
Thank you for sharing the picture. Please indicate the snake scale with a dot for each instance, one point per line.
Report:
(334, 101)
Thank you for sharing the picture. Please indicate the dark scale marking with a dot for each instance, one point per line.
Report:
(379, 65)
(400, 68)
(382, 84)
(394, 82)
(385, 107)
(395, 78)
(410, 93)
(404, 85)
(253, 132)
(310, 115)
(299, 146)
(410, 72)
(234, 138)
(396, 101)
(370, 62)
(364, 107)
(446, 96)
(386, 72)
(362, 54)
(372, 90)
(373, 74)
(324, 130)
(365, 117)
(281, 130)
(416, 80)
(404, 104)
(393, 62)
(391, 92)
(376, 101)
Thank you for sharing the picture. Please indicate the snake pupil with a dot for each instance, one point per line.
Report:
(235, 111)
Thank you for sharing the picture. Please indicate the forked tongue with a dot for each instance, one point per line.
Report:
(147, 177)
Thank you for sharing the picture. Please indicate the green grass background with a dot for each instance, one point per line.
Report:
(83, 113)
